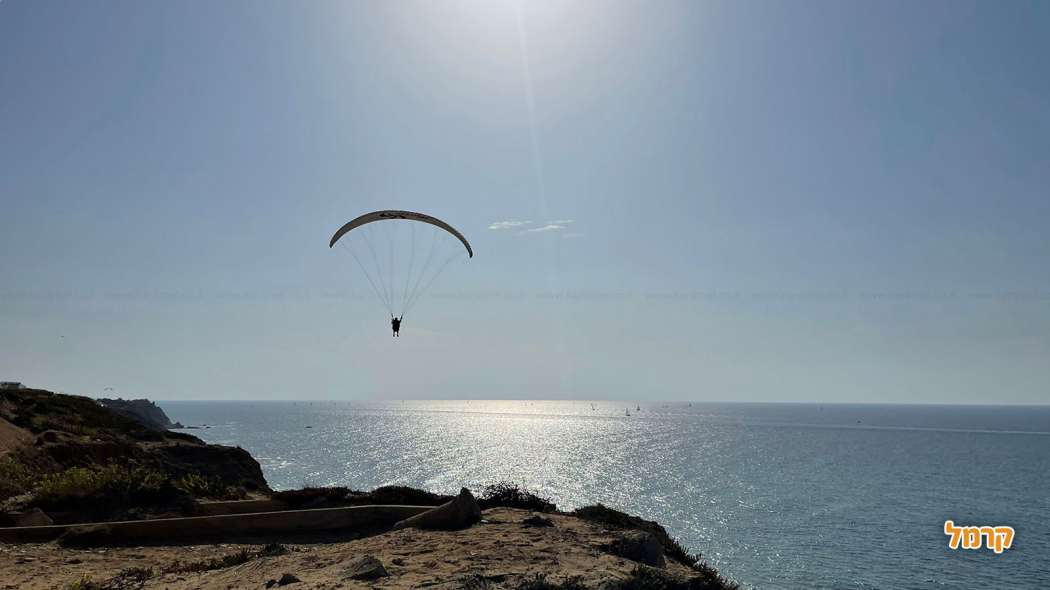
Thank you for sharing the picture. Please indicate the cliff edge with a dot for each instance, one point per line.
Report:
(69, 455)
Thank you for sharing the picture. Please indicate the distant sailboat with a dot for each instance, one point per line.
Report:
(627, 411)
(638, 408)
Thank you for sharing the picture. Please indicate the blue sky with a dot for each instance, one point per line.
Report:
(770, 201)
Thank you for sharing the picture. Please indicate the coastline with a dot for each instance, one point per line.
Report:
(68, 522)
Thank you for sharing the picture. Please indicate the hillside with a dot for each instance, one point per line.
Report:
(68, 454)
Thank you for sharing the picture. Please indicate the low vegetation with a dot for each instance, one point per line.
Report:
(510, 495)
(200, 486)
(102, 488)
(540, 582)
(311, 495)
(641, 578)
(128, 579)
(398, 495)
(116, 488)
(648, 578)
(229, 560)
(15, 477)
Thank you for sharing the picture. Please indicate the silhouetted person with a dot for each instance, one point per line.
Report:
(395, 323)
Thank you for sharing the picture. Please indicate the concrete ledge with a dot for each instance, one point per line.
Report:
(239, 507)
(293, 521)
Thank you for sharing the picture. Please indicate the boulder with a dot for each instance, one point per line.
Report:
(639, 546)
(459, 513)
(365, 568)
(33, 517)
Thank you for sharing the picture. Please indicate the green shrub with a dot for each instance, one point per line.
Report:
(15, 477)
(311, 495)
(104, 488)
(402, 495)
(509, 495)
(200, 486)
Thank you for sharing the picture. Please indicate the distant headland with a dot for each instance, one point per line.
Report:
(143, 410)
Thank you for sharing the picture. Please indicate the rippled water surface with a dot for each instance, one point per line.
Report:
(775, 496)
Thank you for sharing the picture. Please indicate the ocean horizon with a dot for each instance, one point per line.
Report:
(774, 495)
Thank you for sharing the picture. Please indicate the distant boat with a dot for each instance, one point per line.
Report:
(627, 411)
(638, 408)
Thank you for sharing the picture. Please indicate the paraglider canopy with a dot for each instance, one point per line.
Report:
(385, 247)
(395, 214)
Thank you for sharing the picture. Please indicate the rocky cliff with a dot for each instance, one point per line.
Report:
(74, 455)
(143, 410)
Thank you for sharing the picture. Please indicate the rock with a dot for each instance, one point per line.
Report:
(271, 583)
(33, 517)
(537, 521)
(461, 512)
(287, 579)
(638, 546)
(365, 568)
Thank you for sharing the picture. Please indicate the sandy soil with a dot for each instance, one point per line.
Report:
(500, 549)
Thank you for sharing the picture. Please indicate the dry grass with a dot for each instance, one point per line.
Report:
(229, 560)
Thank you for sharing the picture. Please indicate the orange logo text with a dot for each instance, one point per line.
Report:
(998, 538)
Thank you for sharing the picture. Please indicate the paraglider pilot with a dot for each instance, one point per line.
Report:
(395, 323)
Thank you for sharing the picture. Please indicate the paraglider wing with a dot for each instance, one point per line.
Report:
(395, 214)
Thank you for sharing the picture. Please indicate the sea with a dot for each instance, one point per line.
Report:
(794, 496)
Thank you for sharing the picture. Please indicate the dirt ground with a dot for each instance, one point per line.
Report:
(501, 550)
